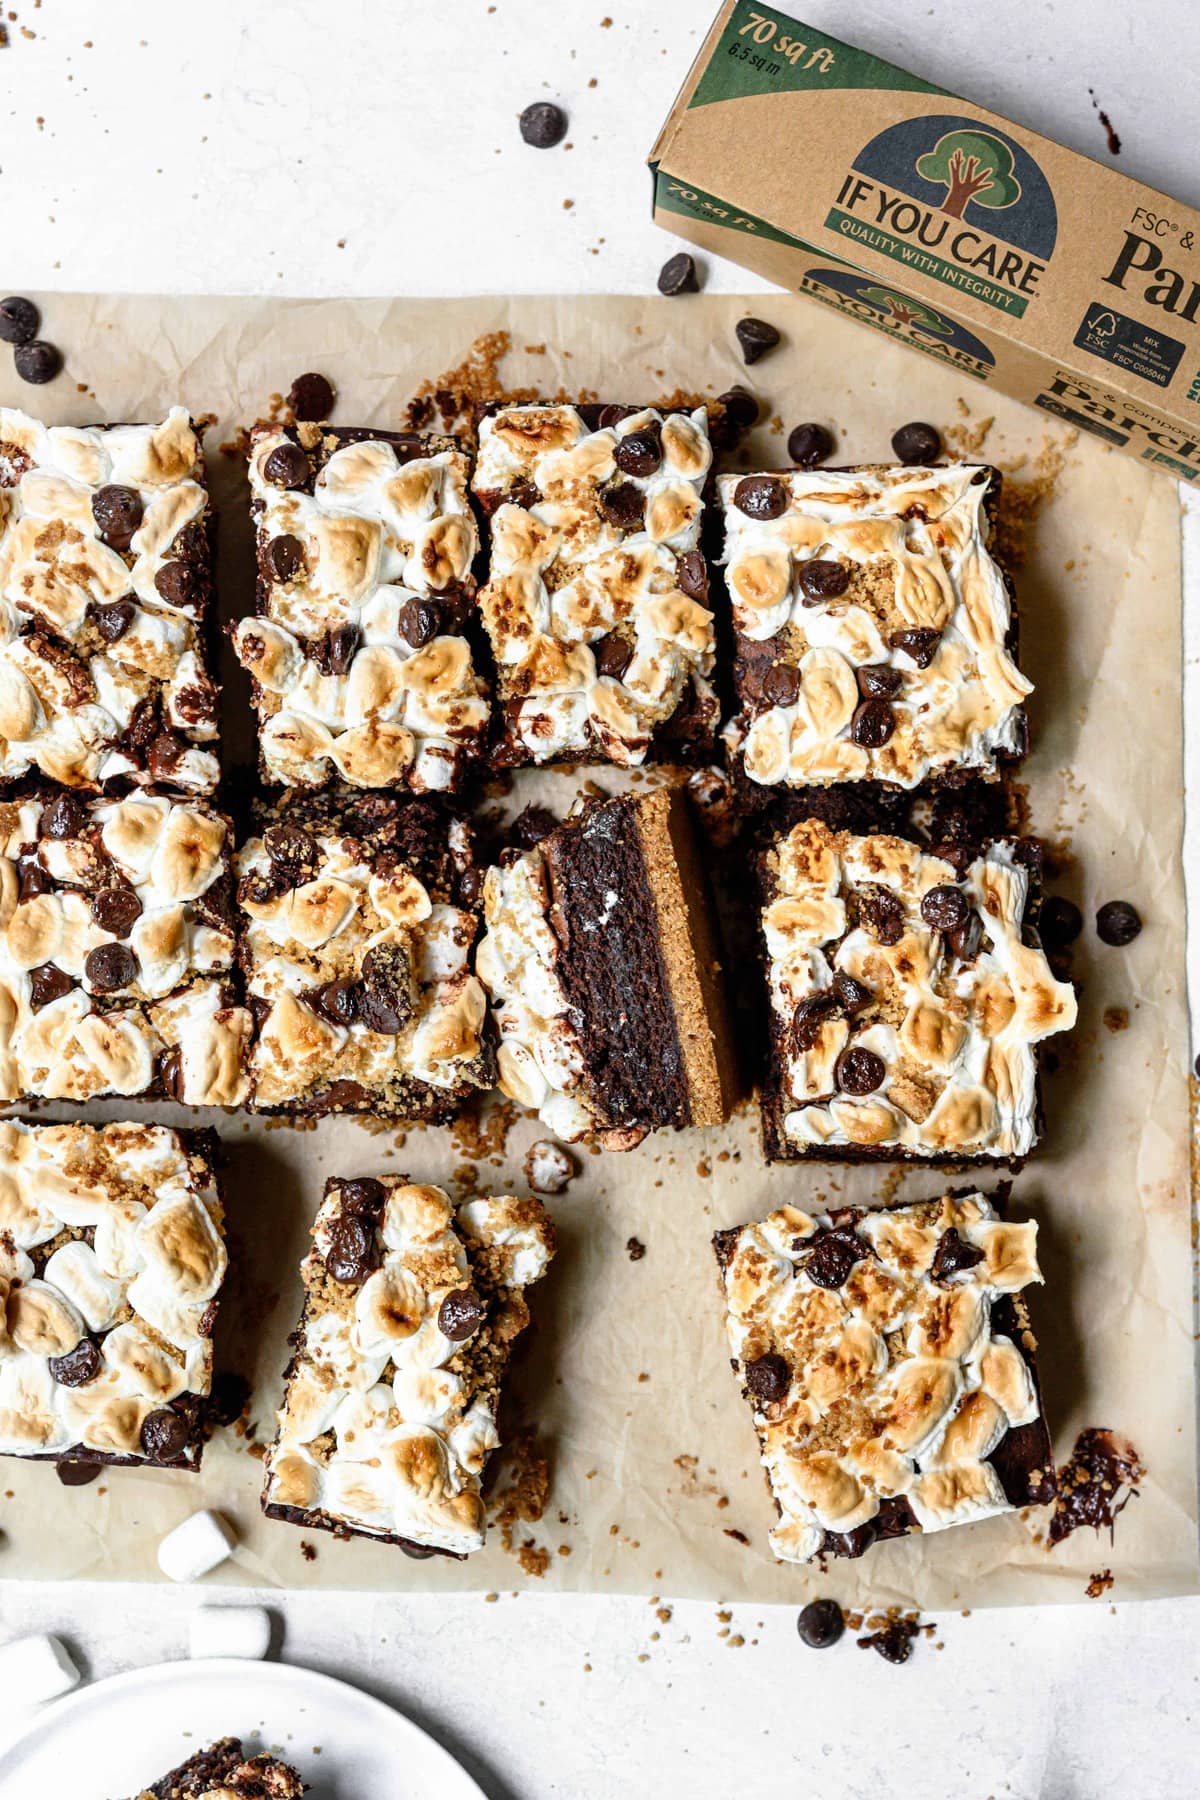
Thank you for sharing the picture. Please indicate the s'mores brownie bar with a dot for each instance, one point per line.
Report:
(907, 998)
(596, 603)
(411, 1310)
(891, 1369)
(361, 667)
(874, 632)
(357, 945)
(112, 1256)
(604, 971)
(117, 948)
(105, 586)
(225, 1772)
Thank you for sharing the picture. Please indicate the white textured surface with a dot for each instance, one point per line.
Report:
(230, 153)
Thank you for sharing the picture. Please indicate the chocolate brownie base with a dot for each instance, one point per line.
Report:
(226, 1770)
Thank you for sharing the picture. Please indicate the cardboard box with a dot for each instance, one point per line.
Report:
(1050, 276)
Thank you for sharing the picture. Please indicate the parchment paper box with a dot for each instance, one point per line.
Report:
(1050, 276)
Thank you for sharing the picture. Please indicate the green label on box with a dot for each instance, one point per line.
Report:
(676, 196)
(762, 51)
(897, 250)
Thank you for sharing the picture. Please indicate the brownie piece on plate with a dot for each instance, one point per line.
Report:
(225, 1772)
(604, 970)
(358, 653)
(907, 998)
(411, 1310)
(105, 590)
(596, 602)
(891, 1369)
(875, 634)
(117, 946)
(357, 945)
(112, 1255)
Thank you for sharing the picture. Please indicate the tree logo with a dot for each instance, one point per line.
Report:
(901, 309)
(899, 315)
(973, 166)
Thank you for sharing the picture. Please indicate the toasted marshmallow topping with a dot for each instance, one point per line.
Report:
(364, 976)
(596, 641)
(902, 551)
(110, 1239)
(936, 1056)
(360, 667)
(91, 633)
(388, 1418)
(890, 1381)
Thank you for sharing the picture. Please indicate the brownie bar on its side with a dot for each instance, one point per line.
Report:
(596, 603)
(112, 1256)
(389, 1412)
(225, 1772)
(875, 636)
(106, 579)
(604, 969)
(359, 654)
(117, 945)
(891, 1368)
(905, 1003)
(357, 942)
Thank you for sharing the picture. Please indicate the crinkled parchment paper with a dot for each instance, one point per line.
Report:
(655, 1485)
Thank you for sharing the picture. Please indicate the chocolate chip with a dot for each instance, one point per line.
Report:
(116, 909)
(287, 466)
(19, 320)
(741, 408)
(139, 733)
(781, 685)
(167, 750)
(176, 583)
(34, 881)
(1059, 921)
(692, 575)
(335, 651)
(118, 513)
(351, 1252)
(170, 1072)
(364, 1196)
(810, 1015)
(872, 725)
(420, 621)
(877, 681)
(883, 913)
(624, 506)
(964, 941)
(47, 983)
(1117, 923)
(286, 556)
(953, 1254)
(678, 275)
(78, 1366)
(294, 850)
(613, 655)
(543, 125)
(531, 825)
(768, 1377)
(62, 818)
(460, 1314)
(164, 1435)
(110, 967)
(820, 1624)
(37, 362)
(756, 337)
(610, 416)
(809, 444)
(920, 643)
(917, 443)
(859, 1071)
(418, 1552)
(336, 1001)
(380, 1009)
(311, 397)
(834, 1253)
(641, 452)
(112, 622)
(852, 995)
(822, 580)
(74, 1471)
(945, 908)
(470, 886)
(760, 497)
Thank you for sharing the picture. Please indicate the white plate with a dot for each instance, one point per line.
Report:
(116, 1736)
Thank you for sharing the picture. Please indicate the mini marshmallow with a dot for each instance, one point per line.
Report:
(33, 1669)
(195, 1547)
(549, 1168)
(243, 1631)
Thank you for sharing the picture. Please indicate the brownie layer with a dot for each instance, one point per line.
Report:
(225, 1772)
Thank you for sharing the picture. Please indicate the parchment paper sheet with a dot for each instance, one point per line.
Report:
(653, 1458)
